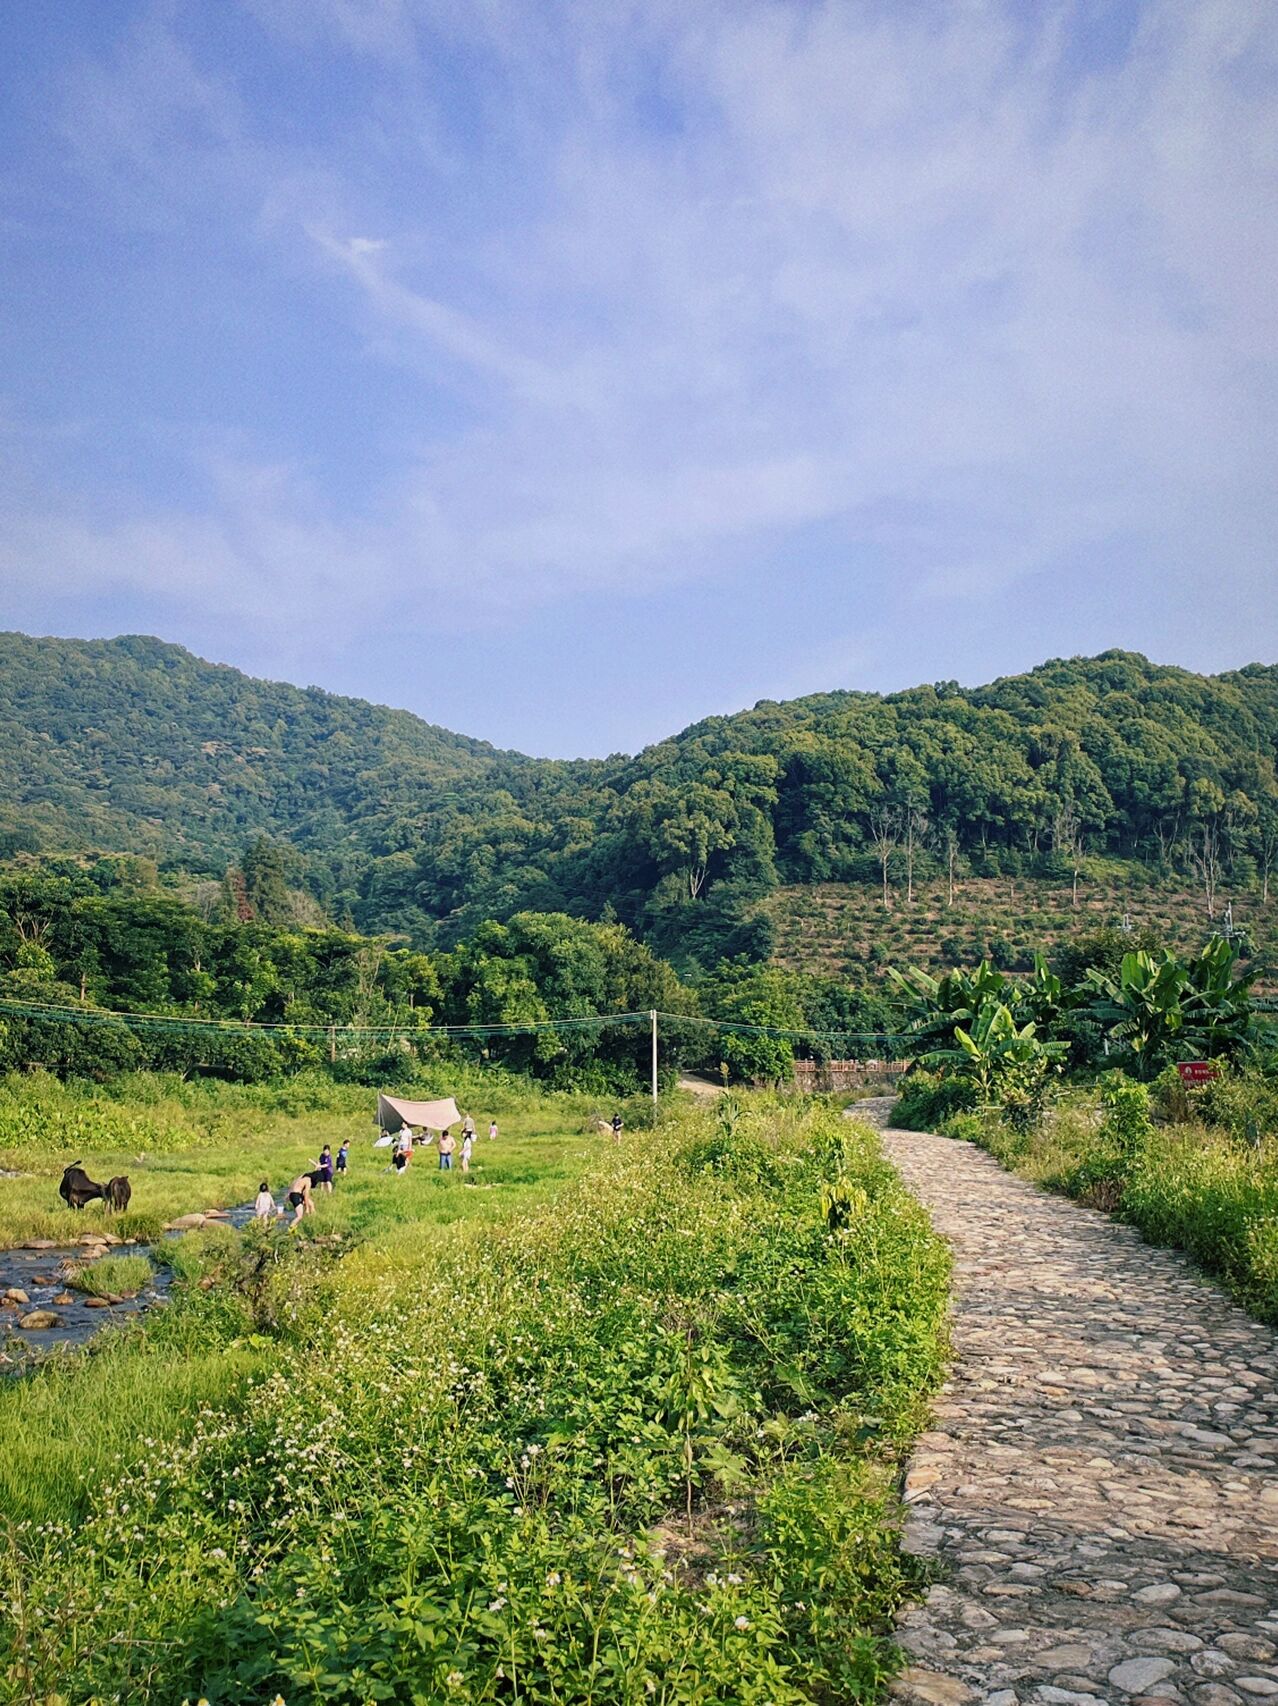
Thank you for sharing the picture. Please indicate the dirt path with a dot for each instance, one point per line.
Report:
(1101, 1486)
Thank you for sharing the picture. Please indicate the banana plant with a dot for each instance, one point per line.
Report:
(935, 1005)
(997, 1054)
(1160, 1008)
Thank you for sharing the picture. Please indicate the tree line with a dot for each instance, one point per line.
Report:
(250, 999)
(398, 827)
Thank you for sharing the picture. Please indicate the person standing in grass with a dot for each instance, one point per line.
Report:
(299, 1198)
(264, 1207)
(468, 1143)
(326, 1169)
(404, 1147)
(343, 1157)
(616, 1122)
(492, 1130)
(447, 1144)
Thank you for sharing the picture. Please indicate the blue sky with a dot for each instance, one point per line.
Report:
(566, 373)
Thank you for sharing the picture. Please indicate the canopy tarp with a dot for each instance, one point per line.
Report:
(394, 1112)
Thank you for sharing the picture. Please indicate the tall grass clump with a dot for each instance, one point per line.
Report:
(636, 1446)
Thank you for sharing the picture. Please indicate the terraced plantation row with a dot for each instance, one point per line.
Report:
(843, 928)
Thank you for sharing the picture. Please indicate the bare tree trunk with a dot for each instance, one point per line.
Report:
(885, 836)
(1205, 859)
(950, 855)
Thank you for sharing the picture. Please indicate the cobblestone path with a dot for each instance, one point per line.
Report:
(1101, 1484)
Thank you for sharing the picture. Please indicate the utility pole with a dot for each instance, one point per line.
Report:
(652, 1014)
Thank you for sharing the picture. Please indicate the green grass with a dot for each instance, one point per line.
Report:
(227, 1152)
(113, 1276)
(140, 1383)
(620, 1437)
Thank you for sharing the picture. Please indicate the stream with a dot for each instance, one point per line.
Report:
(42, 1269)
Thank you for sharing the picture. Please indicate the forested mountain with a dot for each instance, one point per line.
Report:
(134, 744)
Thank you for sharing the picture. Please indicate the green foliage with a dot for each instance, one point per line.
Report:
(1242, 1101)
(133, 745)
(118, 1276)
(1126, 1126)
(757, 996)
(641, 1463)
(1162, 1008)
(928, 1099)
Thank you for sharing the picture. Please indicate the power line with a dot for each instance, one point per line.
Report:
(336, 1028)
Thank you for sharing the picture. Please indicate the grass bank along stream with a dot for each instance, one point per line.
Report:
(636, 1445)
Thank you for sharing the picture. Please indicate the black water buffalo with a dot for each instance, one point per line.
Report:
(77, 1188)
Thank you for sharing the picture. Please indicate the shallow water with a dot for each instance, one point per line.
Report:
(43, 1275)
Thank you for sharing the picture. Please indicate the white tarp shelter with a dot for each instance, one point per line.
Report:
(394, 1112)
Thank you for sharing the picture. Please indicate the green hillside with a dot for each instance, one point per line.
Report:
(134, 744)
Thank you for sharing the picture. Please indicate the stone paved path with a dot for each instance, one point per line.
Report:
(1101, 1485)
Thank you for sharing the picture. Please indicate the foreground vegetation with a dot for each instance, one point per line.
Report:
(636, 1445)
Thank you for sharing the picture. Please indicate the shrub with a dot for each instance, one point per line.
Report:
(1243, 1103)
(928, 1098)
(964, 1127)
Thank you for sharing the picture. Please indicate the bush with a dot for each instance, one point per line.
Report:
(964, 1128)
(929, 1098)
(1243, 1103)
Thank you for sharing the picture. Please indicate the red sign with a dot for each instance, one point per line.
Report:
(1195, 1071)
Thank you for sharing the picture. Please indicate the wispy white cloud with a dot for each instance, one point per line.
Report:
(976, 297)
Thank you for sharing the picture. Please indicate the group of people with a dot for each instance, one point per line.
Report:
(405, 1139)
(301, 1193)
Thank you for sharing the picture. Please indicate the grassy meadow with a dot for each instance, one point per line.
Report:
(613, 1424)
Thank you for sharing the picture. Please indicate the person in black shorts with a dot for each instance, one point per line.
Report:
(299, 1197)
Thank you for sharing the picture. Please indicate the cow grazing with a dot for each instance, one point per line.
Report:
(77, 1188)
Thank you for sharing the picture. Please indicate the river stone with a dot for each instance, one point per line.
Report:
(15, 1294)
(39, 1244)
(39, 1320)
(185, 1223)
(96, 1303)
(65, 1297)
(1158, 1593)
(1263, 1687)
